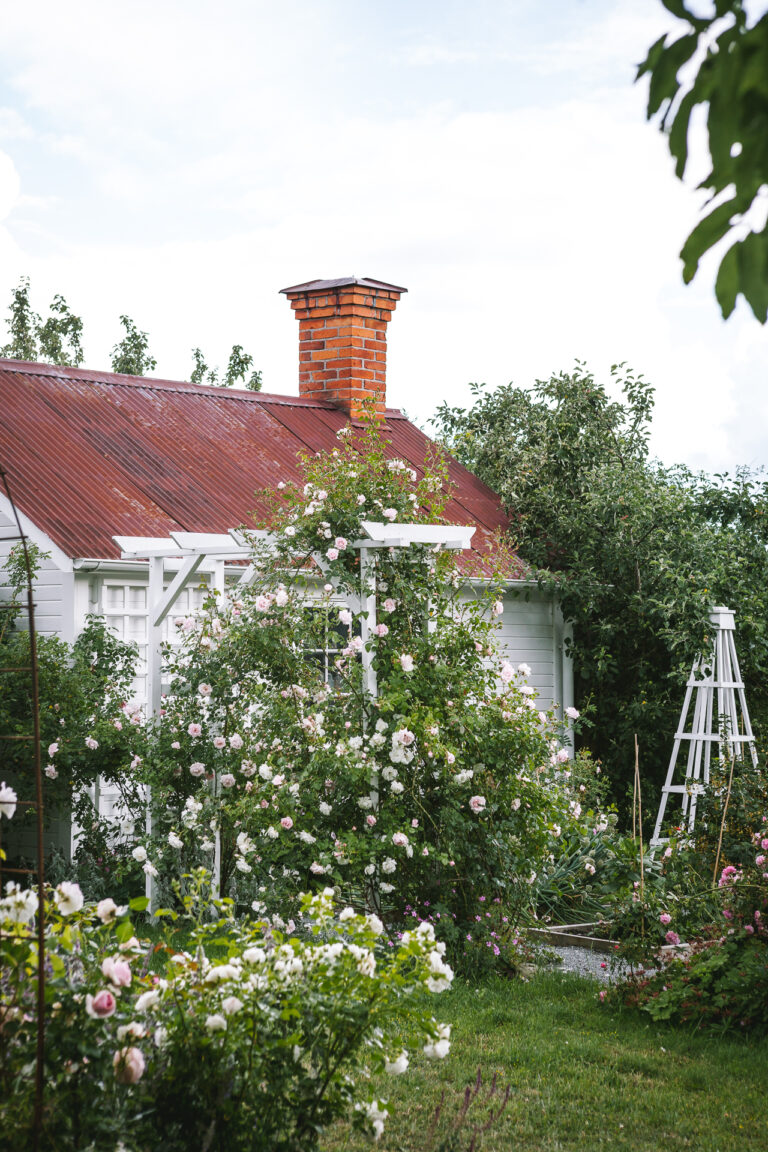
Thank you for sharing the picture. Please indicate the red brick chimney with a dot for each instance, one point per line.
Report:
(343, 340)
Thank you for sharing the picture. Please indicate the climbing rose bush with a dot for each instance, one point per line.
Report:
(250, 1039)
(276, 749)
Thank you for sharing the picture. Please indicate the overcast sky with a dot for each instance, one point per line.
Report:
(183, 161)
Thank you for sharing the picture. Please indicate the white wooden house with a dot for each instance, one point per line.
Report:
(94, 455)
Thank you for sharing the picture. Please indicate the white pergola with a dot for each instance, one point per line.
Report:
(198, 549)
(720, 716)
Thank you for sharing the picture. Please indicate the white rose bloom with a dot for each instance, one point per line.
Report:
(397, 1066)
(216, 1023)
(439, 1048)
(139, 854)
(325, 809)
(8, 799)
(148, 1000)
(388, 865)
(68, 897)
(175, 841)
(231, 1004)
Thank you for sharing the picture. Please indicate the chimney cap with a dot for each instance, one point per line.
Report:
(342, 282)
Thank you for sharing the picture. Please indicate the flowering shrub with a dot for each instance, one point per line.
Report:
(448, 778)
(721, 979)
(253, 1039)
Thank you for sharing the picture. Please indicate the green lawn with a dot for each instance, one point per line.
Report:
(582, 1076)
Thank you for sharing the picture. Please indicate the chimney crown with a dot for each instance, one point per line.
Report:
(343, 340)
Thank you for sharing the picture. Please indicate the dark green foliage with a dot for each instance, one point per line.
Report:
(638, 553)
(731, 82)
(131, 355)
(240, 363)
(58, 340)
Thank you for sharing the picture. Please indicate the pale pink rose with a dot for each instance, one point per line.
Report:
(507, 671)
(117, 971)
(389, 604)
(118, 724)
(175, 745)
(341, 543)
(764, 843)
(497, 608)
(370, 821)
(672, 937)
(406, 662)
(129, 1065)
(50, 772)
(53, 749)
(760, 860)
(197, 769)
(228, 780)
(332, 553)
(262, 603)
(219, 742)
(235, 742)
(381, 630)
(204, 689)
(477, 803)
(399, 839)
(450, 758)
(389, 514)
(572, 713)
(286, 822)
(106, 909)
(345, 616)
(101, 1005)
(665, 918)
(195, 730)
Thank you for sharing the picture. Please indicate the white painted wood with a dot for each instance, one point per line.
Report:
(394, 535)
(714, 679)
(142, 547)
(159, 609)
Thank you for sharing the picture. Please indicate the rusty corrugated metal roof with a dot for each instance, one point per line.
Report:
(94, 454)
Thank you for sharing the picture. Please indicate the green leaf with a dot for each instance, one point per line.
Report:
(706, 233)
(753, 272)
(727, 283)
(124, 931)
(664, 83)
(678, 133)
(139, 903)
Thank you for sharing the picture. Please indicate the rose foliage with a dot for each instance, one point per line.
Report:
(252, 1039)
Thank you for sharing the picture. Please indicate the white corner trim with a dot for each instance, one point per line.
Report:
(37, 536)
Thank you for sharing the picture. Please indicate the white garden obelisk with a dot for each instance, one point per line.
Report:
(720, 717)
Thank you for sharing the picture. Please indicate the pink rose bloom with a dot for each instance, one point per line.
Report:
(219, 742)
(497, 608)
(228, 780)
(332, 553)
(286, 822)
(406, 662)
(129, 1065)
(764, 843)
(345, 616)
(264, 803)
(389, 604)
(204, 689)
(572, 713)
(450, 758)
(749, 929)
(101, 1005)
(672, 938)
(235, 742)
(370, 821)
(381, 630)
(665, 918)
(118, 724)
(757, 917)
(759, 860)
(116, 970)
(53, 749)
(727, 914)
(340, 543)
(194, 730)
(197, 769)
(175, 745)
(91, 743)
(477, 803)
(400, 839)
(507, 671)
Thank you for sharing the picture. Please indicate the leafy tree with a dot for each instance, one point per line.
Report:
(61, 335)
(637, 553)
(239, 365)
(131, 355)
(58, 340)
(732, 83)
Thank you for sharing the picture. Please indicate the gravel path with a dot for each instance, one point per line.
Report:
(584, 962)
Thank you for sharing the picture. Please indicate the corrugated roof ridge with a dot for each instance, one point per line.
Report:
(161, 384)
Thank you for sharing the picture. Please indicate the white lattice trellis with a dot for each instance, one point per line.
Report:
(720, 717)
